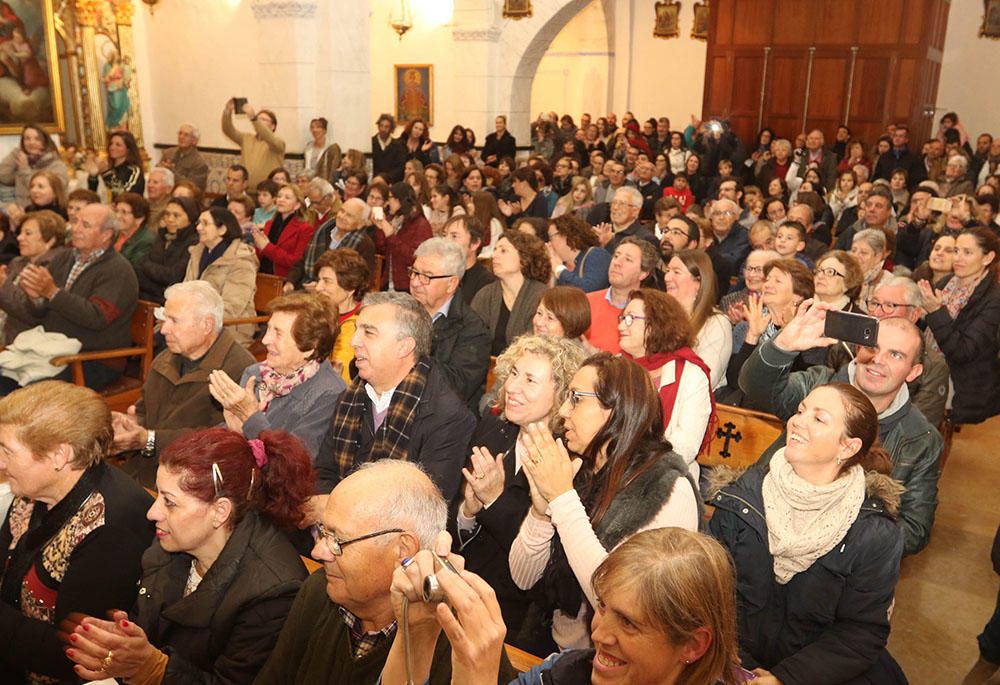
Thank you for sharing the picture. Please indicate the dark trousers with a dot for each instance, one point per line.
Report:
(989, 639)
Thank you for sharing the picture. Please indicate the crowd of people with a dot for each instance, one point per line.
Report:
(489, 380)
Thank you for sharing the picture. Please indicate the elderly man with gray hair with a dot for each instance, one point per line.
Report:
(343, 624)
(184, 159)
(401, 405)
(732, 241)
(461, 345)
(87, 293)
(342, 230)
(626, 205)
(175, 397)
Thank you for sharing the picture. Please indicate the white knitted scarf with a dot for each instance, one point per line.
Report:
(805, 521)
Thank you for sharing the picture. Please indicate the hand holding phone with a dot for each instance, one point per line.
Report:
(378, 214)
(851, 327)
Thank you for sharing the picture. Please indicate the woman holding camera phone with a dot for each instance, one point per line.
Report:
(625, 479)
(666, 616)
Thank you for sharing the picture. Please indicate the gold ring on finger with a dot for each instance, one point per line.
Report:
(106, 661)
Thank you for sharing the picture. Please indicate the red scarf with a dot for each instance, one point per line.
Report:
(668, 393)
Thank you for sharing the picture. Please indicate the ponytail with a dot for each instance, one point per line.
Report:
(286, 480)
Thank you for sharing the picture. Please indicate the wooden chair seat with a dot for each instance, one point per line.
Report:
(268, 289)
(741, 437)
(125, 391)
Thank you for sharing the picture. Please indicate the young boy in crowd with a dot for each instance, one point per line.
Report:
(266, 191)
(680, 191)
(790, 242)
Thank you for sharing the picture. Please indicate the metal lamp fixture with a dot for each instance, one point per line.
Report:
(401, 17)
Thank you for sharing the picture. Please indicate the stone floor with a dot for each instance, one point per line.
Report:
(948, 591)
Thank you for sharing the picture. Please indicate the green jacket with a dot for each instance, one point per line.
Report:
(913, 444)
(136, 247)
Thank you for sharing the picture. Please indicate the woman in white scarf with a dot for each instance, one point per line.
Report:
(817, 548)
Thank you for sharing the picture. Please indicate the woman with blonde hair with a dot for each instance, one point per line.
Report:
(665, 615)
(533, 377)
(283, 240)
(577, 201)
(75, 534)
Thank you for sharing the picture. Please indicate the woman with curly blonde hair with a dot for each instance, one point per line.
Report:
(533, 378)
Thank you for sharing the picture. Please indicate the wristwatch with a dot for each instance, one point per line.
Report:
(150, 447)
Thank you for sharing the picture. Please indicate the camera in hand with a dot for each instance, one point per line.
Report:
(859, 329)
(239, 104)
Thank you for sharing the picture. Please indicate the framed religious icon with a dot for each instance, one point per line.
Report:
(667, 19)
(414, 93)
(516, 9)
(699, 29)
(29, 67)
(991, 20)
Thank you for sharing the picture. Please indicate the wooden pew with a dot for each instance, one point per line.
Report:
(741, 437)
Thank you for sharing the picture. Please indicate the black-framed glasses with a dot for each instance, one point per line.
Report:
(422, 278)
(678, 232)
(753, 269)
(575, 395)
(336, 546)
(887, 307)
(829, 272)
(629, 319)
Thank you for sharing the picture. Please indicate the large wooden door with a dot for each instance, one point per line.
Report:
(794, 66)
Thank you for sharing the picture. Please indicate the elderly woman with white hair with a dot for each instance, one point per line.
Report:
(870, 248)
(955, 180)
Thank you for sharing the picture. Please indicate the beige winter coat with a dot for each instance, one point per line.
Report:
(234, 275)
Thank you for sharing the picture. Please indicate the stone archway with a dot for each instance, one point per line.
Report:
(530, 41)
(513, 49)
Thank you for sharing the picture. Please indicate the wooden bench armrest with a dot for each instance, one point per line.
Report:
(245, 319)
(521, 661)
(96, 355)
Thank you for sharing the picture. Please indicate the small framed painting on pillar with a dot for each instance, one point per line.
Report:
(414, 93)
(29, 67)
(991, 20)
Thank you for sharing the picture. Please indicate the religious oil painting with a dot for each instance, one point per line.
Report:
(29, 71)
(991, 20)
(667, 19)
(414, 93)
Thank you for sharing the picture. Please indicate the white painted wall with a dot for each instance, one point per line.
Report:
(572, 77)
(652, 76)
(194, 54)
(969, 72)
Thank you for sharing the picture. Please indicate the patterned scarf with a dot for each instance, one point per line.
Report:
(392, 438)
(273, 384)
(954, 297)
(805, 521)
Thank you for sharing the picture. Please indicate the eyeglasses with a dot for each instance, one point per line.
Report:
(629, 319)
(336, 546)
(553, 234)
(753, 269)
(576, 395)
(724, 212)
(422, 278)
(677, 232)
(887, 307)
(829, 272)
(622, 203)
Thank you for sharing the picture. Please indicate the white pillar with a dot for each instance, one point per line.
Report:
(344, 73)
(286, 60)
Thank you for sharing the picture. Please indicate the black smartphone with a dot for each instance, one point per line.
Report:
(859, 329)
(238, 104)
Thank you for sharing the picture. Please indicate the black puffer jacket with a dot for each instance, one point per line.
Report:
(224, 631)
(969, 345)
(830, 623)
(165, 263)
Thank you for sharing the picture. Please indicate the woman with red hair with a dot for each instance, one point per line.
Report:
(220, 579)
